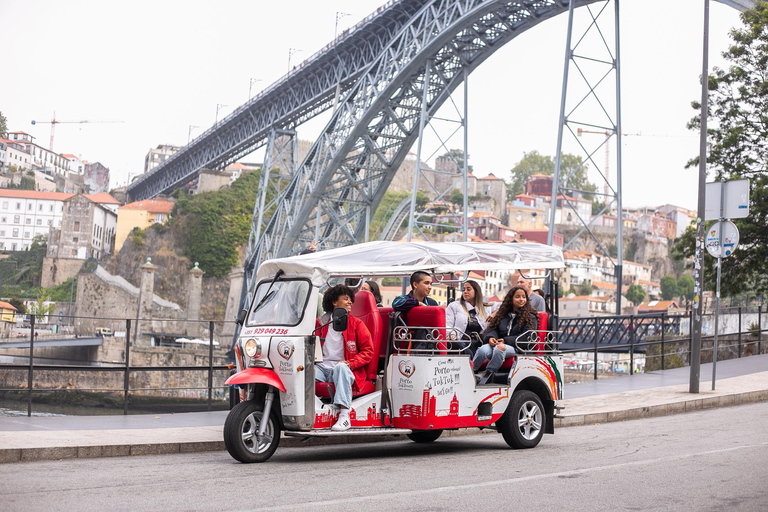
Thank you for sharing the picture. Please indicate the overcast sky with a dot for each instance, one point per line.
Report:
(160, 67)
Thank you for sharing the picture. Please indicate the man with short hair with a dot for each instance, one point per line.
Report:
(536, 300)
(421, 286)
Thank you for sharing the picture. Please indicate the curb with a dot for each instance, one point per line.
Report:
(8, 455)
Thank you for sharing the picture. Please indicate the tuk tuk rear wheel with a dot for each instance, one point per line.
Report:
(424, 436)
(522, 424)
(241, 433)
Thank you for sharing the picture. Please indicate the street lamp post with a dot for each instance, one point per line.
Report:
(339, 15)
(250, 84)
(291, 51)
(189, 132)
(219, 106)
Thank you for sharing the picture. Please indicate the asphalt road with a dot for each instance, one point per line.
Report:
(711, 460)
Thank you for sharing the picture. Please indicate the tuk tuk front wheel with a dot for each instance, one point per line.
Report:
(424, 436)
(522, 424)
(241, 433)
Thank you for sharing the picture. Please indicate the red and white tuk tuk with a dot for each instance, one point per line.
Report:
(416, 392)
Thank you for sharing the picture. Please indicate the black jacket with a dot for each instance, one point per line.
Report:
(509, 329)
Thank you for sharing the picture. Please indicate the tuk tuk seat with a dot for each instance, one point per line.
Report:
(507, 365)
(364, 309)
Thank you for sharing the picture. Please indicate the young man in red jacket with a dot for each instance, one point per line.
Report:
(345, 354)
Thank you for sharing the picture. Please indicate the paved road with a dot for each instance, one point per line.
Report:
(708, 460)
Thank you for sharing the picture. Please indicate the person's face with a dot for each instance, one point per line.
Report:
(523, 283)
(423, 288)
(468, 293)
(366, 287)
(343, 302)
(519, 299)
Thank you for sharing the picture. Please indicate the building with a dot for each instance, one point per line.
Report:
(522, 214)
(76, 165)
(158, 155)
(95, 179)
(41, 159)
(658, 306)
(25, 214)
(585, 306)
(488, 227)
(7, 319)
(15, 155)
(89, 224)
(569, 209)
(140, 214)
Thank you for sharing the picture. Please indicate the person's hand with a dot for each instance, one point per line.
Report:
(313, 245)
(492, 342)
(490, 317)
(501, 346)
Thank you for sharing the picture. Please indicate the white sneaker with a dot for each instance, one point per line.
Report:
(343, 422)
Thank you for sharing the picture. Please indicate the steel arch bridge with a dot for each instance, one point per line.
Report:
(406, 57)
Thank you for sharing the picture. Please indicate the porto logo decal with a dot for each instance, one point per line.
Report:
(285, 349)
(407, 368)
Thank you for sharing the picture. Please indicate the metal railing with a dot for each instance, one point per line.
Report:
(660, 337)
(79, 332)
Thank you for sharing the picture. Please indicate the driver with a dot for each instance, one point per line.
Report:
(345, 354)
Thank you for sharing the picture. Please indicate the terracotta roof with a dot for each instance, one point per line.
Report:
(577, 297)
(657, 305)
(491, 176)
(5, 305)
(34, 194)
(67, 155)
(102, 198)
(150, 205)
(237, 165)
(648, 282)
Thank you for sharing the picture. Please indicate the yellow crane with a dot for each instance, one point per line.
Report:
(53, 122)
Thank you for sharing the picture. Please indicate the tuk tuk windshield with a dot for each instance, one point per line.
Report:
(279, 303)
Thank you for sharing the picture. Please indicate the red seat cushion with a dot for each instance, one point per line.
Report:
(430, 316)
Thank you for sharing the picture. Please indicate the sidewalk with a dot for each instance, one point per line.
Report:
(617, 399)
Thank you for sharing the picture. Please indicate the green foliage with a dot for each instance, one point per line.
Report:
(635, 293)
(597, 206)
(216, 224)
(64, 291)
(585, 288)
(685, 286)
(669, 288)
(18, 304)
(391, 281)
(137, 237)
(573, 172)
(631, 250)
(40, 308)
(738, 148)
(3, 125)
(456, 197)
(458, 156)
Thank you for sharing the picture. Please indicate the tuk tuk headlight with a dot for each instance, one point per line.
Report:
(252, 348)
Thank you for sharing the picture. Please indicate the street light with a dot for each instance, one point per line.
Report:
(189, 133)
(250, 84)
(291, 51)
(339, 15)
(219, 106)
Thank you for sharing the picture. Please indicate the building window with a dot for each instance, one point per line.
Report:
(74, 252)
(5, 205)
(16, 219)
(39, 222)
(75, 239)
(18, 206)
(26, 234)
(3, 219)
(77, 225)
(29, 206)
(29, 220)
(15, 233)
(40, 207)
(159, 217)
(51, 208)
(2, 233)
(50, 222)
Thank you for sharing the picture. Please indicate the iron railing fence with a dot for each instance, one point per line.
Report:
(663, 339)
(160, 358)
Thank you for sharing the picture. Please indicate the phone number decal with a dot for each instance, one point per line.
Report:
(268, 330)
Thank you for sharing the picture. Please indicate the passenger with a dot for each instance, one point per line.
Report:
(421, 286)
(469, 314)
(515, 316)
(537, 301)
(345, 354)
(371, 286)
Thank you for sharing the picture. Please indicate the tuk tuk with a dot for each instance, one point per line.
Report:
(418, 392)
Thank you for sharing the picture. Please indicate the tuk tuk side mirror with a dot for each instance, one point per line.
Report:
(241, 316)
(340, 319)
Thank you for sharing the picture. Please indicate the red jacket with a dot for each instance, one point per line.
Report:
(358, 347)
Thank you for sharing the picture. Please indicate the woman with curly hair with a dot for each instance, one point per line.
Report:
(514, 317)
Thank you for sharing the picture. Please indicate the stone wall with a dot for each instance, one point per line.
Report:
(58, 270)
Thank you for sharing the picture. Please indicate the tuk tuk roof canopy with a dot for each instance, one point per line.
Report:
(384, 258)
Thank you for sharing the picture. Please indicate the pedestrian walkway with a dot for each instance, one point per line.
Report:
(622, 398)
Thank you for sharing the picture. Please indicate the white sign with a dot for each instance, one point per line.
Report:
(735, 205)
(728, 232)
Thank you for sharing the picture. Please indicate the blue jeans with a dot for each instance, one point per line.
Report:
(342, 378)
(495, 355)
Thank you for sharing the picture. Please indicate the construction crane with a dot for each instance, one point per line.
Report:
(53, 122)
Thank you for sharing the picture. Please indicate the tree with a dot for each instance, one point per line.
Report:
(635, 293)
(669, 288)
(685, 285)
(573, 170)
(585, 288)
(3, 125)
(456, 197)
(458, 156)
(39, 308)
(18, 304)
(738, 148)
